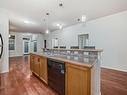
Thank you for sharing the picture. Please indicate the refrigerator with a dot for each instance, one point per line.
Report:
(1, 45)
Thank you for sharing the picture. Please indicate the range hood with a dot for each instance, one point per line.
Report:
(1, 45)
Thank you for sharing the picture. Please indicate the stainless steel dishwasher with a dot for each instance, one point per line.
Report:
(56, 76)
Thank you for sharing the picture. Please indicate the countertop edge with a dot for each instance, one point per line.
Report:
(67, 60)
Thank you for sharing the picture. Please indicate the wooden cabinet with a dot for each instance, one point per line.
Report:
(35, 64)
(38, 66)
(43, 70)
(77, 80)
(32, 61)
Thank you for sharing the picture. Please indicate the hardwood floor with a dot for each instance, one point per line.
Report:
(113, 82)
(20, 82)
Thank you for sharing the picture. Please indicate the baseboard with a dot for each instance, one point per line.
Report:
(96, 93)
(100, 93)
(114, 69)
(15, 56)
(6, 71)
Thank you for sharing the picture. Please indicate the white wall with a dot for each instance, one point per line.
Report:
(40, 43)
(4, 27)
(19, 43)
(108, 33)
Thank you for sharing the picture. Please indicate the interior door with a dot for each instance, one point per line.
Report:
(1, 45)
(83, 40)
(26, 46)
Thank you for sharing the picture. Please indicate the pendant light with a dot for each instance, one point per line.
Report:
(47, 24)
(82, 19)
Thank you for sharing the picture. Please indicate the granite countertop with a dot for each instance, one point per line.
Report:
(82, 61)
(83, 50)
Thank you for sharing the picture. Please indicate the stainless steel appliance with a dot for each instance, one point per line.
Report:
(1, 45)
(56, 76)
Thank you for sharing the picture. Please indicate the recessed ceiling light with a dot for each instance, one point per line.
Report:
(58, 24)
(60, 27)
(47, 31)
(27, 22)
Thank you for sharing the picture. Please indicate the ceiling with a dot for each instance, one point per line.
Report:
(30, 15)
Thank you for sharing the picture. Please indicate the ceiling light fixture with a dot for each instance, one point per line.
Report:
(78, 20)
(47, 31)
(59, 25)
(83, 19)
(27, 22)
(60, 4)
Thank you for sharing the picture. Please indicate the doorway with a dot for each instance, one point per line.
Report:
(45, 44)
(26, 46)
(83, 40)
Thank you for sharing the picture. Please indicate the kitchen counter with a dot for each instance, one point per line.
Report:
(86, 67)
(82, 50)
(82, 61)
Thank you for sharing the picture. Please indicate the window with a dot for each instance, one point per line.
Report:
(12, 42)
(35, 46)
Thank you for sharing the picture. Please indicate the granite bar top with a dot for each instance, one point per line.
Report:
(81, 61)
(82, 50)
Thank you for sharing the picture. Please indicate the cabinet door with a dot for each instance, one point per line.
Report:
(36, 67)
(43, 69)
(32, 61)
(77, 80)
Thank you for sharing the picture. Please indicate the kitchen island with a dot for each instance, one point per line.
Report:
(82, 76)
